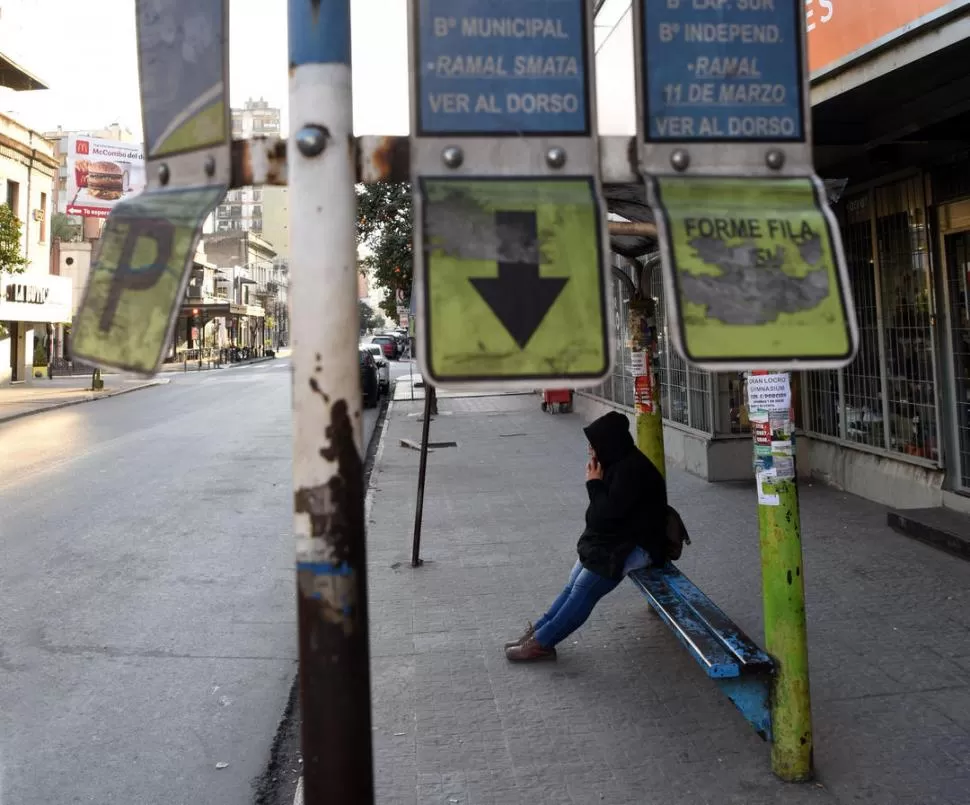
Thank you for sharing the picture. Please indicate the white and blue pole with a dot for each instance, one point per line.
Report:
(327, 416)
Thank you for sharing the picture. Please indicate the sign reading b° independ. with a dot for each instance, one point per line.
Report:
(501, 67)
(722, 70)
(513, 282)
(755, 272)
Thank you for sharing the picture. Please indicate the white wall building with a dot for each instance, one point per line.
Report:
(33, 302)
(243, 208)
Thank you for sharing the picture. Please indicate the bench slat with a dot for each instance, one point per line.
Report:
(709, 652)
(747, 652)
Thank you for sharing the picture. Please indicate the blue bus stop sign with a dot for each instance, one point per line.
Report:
(722, 71)
(502, 67)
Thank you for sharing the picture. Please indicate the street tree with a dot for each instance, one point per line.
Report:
(369, 320)
(12, 258)
(63, 229)
(384, 226)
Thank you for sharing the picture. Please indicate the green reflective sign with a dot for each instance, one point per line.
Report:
(139, 276)
(754, 273)
(513, 282)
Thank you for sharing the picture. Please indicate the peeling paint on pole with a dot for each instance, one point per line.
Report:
(786, 640)
(327, 467)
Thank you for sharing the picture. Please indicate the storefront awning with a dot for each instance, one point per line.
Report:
(629, 201)
(215, 309)
(15, 77)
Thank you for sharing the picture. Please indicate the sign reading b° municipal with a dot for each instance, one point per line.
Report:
(502, 67)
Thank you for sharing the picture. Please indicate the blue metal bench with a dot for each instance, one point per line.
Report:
(726, 654)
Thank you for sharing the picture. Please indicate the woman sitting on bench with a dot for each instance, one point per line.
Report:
(625, 531)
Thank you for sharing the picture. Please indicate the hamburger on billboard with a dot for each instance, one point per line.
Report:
(100, 173)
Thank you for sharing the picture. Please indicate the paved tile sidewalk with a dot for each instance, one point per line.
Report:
(41, 394)
(625, 716)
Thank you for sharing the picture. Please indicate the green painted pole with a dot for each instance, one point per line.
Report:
(642, 327)
(786, 635)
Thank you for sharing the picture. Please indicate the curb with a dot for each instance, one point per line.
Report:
(375, 450)
(178, 368)
(92, 398)
(253, 362)
(948, 537)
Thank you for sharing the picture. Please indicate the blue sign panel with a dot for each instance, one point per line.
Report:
(723, 70)
(493, 67)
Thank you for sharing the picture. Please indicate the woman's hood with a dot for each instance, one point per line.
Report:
(610, 437)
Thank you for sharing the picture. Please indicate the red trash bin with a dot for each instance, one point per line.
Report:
(560, 400)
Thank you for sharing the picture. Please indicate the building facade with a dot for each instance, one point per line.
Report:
(32, 303)
(237, 297)
(243, 209)
(891, 119)
(276, 219)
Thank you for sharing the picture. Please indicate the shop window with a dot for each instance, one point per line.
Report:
(618, 388)
(854, 412)
(862, 380)
(958, 281)
(905, 281)
(732, 407)
(685, 394)
(886, 398)
(13, 196)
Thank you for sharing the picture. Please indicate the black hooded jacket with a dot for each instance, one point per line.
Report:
(628, 507)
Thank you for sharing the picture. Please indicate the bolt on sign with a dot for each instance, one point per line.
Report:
(510, 280)
(754, 270)
(137, 285)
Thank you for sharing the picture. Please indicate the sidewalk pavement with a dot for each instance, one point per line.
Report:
(43, 394)
(193, 366)
(625, 716)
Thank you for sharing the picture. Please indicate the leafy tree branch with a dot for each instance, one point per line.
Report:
(384, 225)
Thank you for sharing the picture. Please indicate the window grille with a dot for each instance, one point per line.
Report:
(886, 398)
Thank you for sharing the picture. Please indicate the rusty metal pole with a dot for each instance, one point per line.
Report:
(327, 447)
(429, 406)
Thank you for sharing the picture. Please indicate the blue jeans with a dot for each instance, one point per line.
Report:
(581, 594)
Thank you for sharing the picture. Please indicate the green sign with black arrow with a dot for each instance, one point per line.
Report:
(513, 283)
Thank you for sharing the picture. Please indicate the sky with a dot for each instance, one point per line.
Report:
(85, 52)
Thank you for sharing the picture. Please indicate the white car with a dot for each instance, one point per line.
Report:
(383, 367)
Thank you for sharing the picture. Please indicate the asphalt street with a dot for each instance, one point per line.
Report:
(147, 622)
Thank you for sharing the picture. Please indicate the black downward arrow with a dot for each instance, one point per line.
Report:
(519, 297)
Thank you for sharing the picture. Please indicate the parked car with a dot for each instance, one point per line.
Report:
(368, 379)
(389, 344)
(383, 366)
(402, 340)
